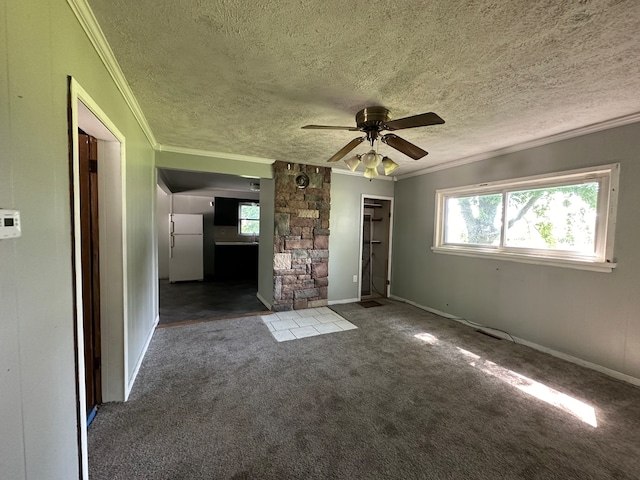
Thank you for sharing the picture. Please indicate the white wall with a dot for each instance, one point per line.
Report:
(589, 315)
(41, 44)
(344, 239)
(162, 221)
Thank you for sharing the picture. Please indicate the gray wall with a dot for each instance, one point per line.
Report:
(344, 240)
(589, 315)
(40, 45)
(265, 254)
(200, 163)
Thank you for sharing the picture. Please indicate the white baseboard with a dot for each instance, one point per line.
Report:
(140, 358)
(345, 300)
(541, 348)
(264, 301)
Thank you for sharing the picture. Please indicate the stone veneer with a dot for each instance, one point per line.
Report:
(301, 243)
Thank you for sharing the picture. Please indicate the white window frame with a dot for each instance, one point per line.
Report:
(240, 218)
(602, 260)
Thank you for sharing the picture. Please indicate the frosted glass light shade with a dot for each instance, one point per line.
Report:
(353, 162)
(389, 165)
(371, 172)
(371, 159)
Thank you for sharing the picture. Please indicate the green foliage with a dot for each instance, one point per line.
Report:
(250, 219)
(250, 227)
(250, 211)
(479, 212)
(545, 229)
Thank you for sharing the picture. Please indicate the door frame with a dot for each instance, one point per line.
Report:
(85, 113)
(361, 238)
(90, 266)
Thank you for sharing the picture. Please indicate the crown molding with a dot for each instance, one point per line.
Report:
(578, 132)
(210, 154)
(90, 25)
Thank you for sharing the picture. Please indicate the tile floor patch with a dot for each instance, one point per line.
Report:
(328, 328)
(287, 315)
(302, 332)
(328, 318)
(345, 325)
(283, 335)
(310, 322)
(284, 324)
(304, 321)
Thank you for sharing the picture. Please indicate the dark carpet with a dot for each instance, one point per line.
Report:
(224, 400)
(207, 300)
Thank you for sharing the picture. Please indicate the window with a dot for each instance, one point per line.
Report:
(249, 218)
(564, 219)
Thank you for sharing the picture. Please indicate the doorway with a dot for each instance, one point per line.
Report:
(226, 209)
(115, 381)
(90, 268)
(375, 256)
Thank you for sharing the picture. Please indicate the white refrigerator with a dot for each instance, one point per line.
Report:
(185, 259)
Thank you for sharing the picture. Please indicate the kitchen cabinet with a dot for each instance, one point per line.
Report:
(226, 211)
(236, 260)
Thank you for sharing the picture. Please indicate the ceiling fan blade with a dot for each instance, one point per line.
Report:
(422, 120)
(329, 127)
(405, 147)
(346, 149)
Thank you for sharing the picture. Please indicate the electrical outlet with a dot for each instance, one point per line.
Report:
(355, 279)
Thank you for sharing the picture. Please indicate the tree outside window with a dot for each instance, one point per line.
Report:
(563, 219)
(249, 219)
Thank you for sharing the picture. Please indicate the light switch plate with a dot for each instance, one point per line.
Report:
(9, 223)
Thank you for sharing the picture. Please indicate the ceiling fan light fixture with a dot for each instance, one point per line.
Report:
(389, 165)
(371, 159)
(371, 173)
(353, 162)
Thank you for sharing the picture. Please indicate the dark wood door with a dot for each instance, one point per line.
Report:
(90, 269)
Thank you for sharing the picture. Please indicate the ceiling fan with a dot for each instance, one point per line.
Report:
(374, 120)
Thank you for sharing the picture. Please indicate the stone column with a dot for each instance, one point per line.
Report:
(301, 243)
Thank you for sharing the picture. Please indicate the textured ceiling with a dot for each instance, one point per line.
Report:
(242, 76)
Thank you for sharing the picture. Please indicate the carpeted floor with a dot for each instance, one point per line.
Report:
(224, 400)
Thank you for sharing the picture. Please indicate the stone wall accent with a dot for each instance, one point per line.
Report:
(301, 243)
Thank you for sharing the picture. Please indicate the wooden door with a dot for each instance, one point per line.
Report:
(90, 267)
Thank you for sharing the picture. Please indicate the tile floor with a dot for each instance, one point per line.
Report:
(211, 299)
(309, 322)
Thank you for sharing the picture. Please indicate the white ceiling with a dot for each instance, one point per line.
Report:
(242, 76)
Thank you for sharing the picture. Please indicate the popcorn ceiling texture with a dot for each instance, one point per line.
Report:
(301, 242)
(242, 76)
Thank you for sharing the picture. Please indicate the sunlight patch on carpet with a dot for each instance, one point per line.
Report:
(427, 338)
(564, 402)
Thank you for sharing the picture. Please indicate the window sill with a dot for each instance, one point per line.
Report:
(593, 266)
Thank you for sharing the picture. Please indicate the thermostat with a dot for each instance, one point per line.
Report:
(9, 223)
